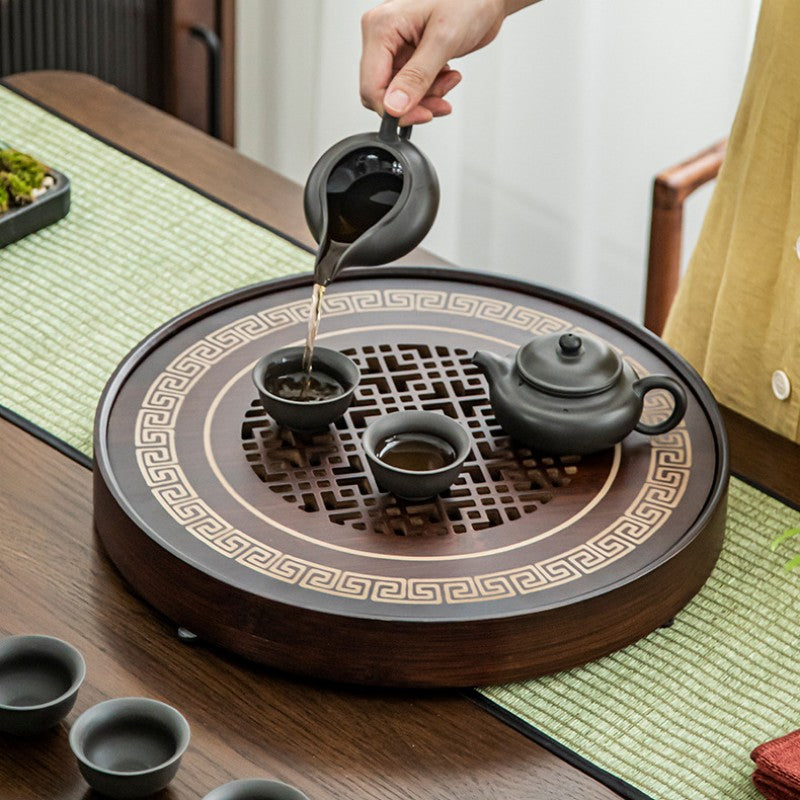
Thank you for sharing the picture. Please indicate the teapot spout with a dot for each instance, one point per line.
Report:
(493, 366)
(331, 258)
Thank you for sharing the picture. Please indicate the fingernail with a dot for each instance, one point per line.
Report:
(395, 101)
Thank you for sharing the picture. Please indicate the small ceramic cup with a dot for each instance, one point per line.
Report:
(39, 681)
(410, 484)
(255, 789)
(129, 746)
(306, 416)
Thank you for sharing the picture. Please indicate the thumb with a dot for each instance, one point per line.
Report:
(417, 75)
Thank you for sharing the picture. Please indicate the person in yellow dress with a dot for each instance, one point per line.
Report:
(736, 317)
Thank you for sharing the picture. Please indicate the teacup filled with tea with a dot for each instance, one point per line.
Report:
(415, 455)
(305, 397)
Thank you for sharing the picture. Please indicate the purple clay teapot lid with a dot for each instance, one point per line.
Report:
(568, 365)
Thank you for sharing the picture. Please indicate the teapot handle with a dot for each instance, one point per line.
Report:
(388, 131)
(644, 385)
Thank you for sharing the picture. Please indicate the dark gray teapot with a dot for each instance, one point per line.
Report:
(569, 394)
(369, 199)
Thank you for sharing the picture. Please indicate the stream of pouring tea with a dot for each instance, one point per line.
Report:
(327, 265)
(313, 328)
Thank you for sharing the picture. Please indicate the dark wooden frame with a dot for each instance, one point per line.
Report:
(671, 188)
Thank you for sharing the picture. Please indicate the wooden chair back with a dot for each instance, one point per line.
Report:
(671, 187)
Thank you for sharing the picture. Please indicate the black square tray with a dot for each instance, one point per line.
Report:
(48, 208)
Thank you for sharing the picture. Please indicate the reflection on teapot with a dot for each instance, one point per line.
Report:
(568, 394)
(369, 199)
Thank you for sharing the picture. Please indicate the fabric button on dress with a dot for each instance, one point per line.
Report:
(781, 386)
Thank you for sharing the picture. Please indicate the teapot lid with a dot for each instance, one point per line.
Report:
(568, 364)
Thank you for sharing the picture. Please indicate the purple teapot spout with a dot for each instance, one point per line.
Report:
(493, 366)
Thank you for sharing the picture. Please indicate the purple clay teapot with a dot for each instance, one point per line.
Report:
(369, 199)
(570, 395)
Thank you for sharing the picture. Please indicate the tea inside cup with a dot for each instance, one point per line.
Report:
(39, 681)
(129, 746)
(415, 454)
(255, 789)
(305, 401)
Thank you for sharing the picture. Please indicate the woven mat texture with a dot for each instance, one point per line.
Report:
(136, 249)
(678, 713)
(675, 715)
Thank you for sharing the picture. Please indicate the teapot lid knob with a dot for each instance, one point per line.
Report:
(570, 344)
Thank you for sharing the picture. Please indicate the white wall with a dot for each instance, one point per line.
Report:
(559, 125)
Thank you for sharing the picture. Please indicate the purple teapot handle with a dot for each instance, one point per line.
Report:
(389, 131)
(645, 385)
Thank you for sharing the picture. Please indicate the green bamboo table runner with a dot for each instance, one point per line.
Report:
(674, 716)
(136, 249)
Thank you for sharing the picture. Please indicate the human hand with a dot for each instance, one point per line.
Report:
(406, 47)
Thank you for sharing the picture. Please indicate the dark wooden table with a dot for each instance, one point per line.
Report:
(333, 743)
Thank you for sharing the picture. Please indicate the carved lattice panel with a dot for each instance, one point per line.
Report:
(328, 473)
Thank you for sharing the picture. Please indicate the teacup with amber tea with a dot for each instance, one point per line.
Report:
(415, 455)
(301, 399)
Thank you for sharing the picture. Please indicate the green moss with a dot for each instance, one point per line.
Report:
(20, 174)
(25, 167)
(19, 191)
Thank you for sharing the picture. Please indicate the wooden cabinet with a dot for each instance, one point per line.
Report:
(200, 64)
(175, 54)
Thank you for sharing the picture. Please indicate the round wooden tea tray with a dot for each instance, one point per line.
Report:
(283, 550)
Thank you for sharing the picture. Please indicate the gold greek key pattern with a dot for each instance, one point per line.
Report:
(156, 454)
